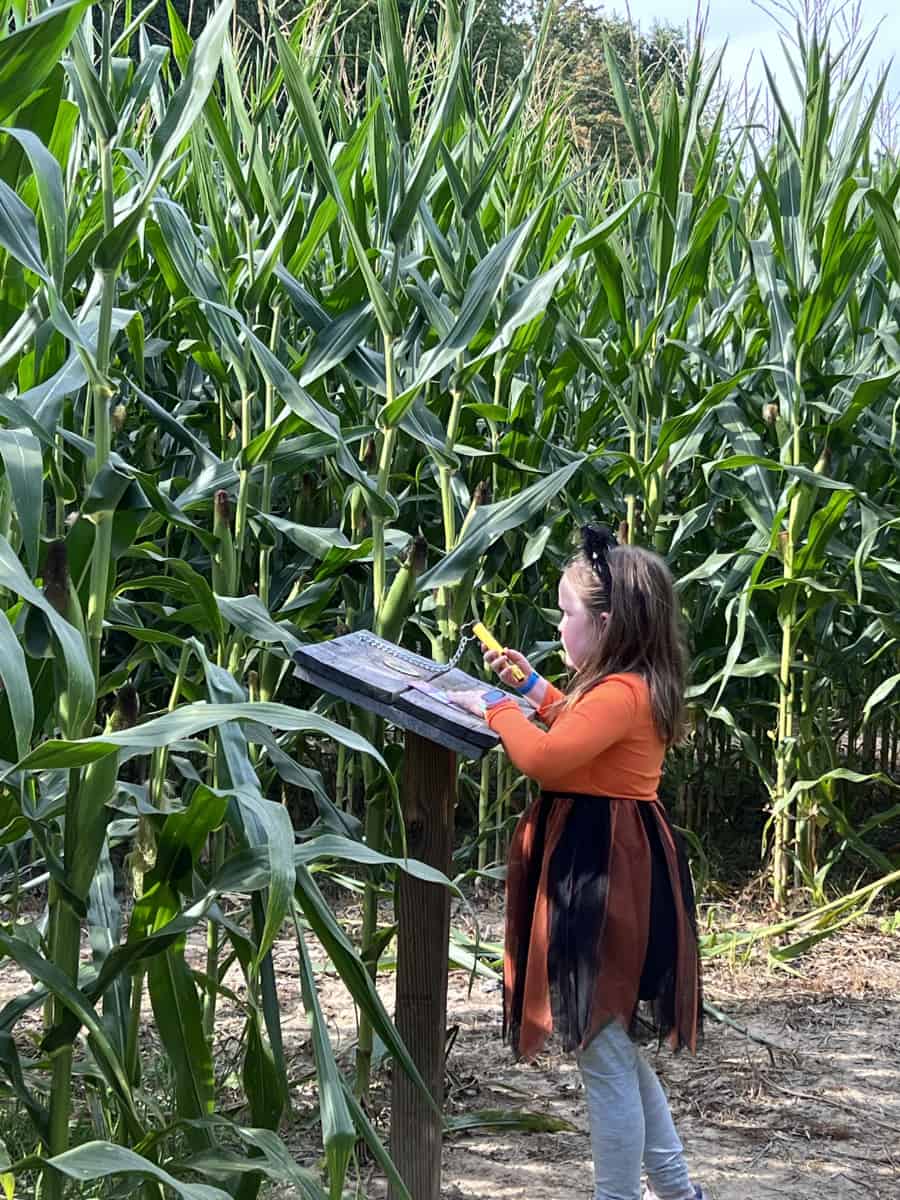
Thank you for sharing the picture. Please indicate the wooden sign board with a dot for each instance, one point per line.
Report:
(407, 689)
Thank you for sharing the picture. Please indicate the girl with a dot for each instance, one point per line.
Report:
(600, 906)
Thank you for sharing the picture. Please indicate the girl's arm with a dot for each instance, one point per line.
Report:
(546, 695)
(542, 695)
(604, 716)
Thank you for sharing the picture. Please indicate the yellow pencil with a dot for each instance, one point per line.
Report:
(484, 635)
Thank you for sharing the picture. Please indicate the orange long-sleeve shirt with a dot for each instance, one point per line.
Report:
(605, 745)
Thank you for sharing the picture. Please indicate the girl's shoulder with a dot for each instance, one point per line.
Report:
(628, 686)
(629, 679)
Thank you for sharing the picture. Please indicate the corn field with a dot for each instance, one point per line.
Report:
(292, 345)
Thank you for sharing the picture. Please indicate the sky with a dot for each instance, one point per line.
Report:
(750, 33)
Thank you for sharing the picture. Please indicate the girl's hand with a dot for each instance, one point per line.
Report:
(468, 698)
(503, 662)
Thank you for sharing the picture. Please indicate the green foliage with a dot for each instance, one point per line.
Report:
(289, 349)
(583, 38)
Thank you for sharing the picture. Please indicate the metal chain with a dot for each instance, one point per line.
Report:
(418, 660)
(457, 654)
(415, 660)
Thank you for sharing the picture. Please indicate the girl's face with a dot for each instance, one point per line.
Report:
(576, 627)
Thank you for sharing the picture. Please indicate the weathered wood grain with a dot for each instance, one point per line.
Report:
(390, 681)
(428, 792)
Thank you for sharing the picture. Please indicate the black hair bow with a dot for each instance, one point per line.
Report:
(596, 542)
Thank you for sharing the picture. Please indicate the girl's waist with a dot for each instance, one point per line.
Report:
(593, 797)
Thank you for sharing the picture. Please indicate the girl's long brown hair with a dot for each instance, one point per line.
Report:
(641, 633)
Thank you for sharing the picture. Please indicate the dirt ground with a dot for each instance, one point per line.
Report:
(813, 1116)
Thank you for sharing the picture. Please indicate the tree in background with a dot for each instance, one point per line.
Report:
(499, 40)
(500, 34)
(576, 54)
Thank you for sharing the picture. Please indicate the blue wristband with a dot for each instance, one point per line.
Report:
(528, 684)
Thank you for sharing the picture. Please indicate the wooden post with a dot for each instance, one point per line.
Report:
(412, 693)
(423, 915)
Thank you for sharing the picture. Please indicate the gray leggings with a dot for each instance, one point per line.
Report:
(630, 1122)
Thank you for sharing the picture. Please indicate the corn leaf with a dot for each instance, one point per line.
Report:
(105, 1160)
(30, 53)
(23, 463)
(491, 521)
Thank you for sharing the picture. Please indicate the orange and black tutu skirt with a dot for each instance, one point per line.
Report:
(600, 925)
